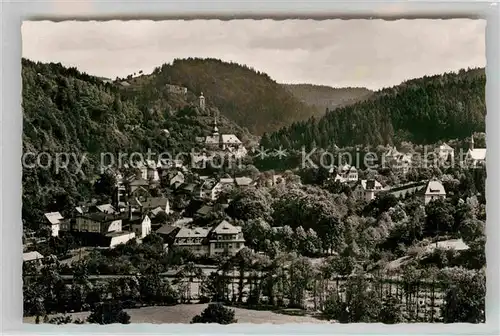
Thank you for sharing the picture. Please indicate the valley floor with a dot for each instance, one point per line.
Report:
(183, 313)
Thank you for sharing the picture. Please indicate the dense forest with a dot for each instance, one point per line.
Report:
(248, 97)
(323, 97)
(422, 111)
(65, 111)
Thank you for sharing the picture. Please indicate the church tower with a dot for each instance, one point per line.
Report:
(202, 101)
(471, 144)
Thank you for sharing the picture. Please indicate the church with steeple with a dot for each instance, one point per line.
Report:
(475, 156)
(229, 143)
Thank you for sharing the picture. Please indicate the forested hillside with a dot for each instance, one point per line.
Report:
(66, 111)
(323, 97)
(422, 110)
(248, 97)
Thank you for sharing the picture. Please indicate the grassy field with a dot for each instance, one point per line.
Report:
(183, 313)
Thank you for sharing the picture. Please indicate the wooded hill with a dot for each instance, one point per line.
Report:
(66, 111)
(324, 98)
(424, 110)
(248, 97)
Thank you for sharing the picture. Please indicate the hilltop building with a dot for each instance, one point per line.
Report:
(201, 101)
(176, 89)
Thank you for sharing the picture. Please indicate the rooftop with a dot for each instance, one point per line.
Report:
(435, 187)
(54, 217)
(34, 255)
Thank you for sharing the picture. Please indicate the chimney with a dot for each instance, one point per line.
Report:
(471, 143)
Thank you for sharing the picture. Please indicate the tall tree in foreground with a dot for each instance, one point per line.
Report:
(215, 313)
(465, 297)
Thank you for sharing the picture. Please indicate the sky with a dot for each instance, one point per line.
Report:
(337, 53)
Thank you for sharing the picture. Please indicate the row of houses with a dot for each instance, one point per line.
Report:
(222, 238)
(429, 191)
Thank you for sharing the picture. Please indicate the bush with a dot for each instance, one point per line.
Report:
(108, 313)
(215, 313)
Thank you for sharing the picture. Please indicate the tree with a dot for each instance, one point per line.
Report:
(161, 217)
(465, 296)
(105, 185)
(256, 231)
(391, 311)
(361, 303)
(471, 229)
(215, 313)
(108, 313)
(301, 276)
(250, 204)
(439, 217)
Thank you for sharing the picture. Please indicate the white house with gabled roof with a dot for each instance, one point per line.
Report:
(367, 189)
(56, 223)
(433, 191)
(225, 238)
(475, 156)
(445, 152)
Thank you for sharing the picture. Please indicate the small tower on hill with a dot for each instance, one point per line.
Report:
(202, 101)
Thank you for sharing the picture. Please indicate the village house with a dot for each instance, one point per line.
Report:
(174, 178)
(397, 161)
(367, 189)
(445, 152)
(433, 191)
(116, 238)
(138, 186)
(149, 170)
(223, 238)
(102, 229)
(345, 174)
(148, 204)
(140, 225)
(209, 189)
(56, 223)
(244, 182)
(33, 258)
(271, 180)
(193, 240)
(98, 223)
(475, 157)
(168, 232)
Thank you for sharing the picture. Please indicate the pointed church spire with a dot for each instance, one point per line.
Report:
(471, 144)
(216, 129)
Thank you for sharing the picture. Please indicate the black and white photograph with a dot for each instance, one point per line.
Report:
(254, 171)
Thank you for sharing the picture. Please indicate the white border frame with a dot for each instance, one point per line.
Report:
(14, 12)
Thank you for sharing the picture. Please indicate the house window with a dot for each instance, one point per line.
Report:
(238, 245)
